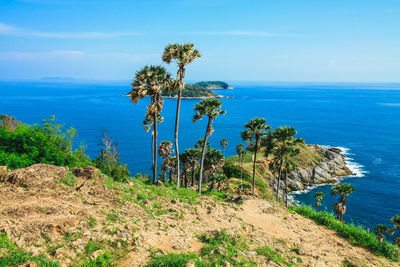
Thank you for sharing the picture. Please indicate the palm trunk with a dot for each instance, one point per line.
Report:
(170, 175)
(241, 169)
(178, 107)
(254, 165)
(279, 180)
(193, 174)
(223, 151)
(286, 194)
(202, 155)
(152, 148)
(155, 151)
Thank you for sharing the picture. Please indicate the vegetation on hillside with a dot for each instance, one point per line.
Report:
(213, 84)
(22, 145)
(192, 91)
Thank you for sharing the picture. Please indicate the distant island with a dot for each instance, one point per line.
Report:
(200, 90)
(214, 85)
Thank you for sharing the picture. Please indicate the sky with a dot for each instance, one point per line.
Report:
(268, 40)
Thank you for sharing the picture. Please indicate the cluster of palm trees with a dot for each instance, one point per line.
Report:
(382, 229)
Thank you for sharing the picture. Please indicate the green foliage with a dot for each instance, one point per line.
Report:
(233, 171)
(11, 255)
(192, 90)
(103, 260)
(355, 234)
(68, 180)
(171, 260)
(213, 84)
(91, 247)
(273, 255)
(342, 189)
(46, 143)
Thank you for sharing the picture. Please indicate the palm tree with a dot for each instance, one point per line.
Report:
(193, 156)
(318, 198)
(147, 123)
(282, 145)
(240, 152)
(200, 143)
(182, 55)
(213, 162)
(380, 231)
(396, 221)
(343, 190)
(171, 166)
(224, 143)
(289, 165)
(211, 108)
(151, 81)
(256, 129)
(164, 150)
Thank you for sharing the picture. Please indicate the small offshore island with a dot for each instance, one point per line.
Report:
(200, 90)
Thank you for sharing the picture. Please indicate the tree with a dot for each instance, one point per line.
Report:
(396, 222)
(380, 231)
(182, 55)
(193, 156)
(199, 144)
(343, 190)
(240, 152)
(210, 108)
(172, 167)
(213, 162)
(164, 150)
(224, 143)
(9, 122)
(318, 198)
(282, 144)
(151, 81)
(255, 130)
(147, 123)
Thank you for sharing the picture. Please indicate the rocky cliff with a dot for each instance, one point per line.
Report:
(330, 166)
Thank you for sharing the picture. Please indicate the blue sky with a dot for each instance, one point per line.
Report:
(269, 40)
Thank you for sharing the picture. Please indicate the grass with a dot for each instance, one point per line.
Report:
(357, 235)
(11, 255)
(69, 180)
(219, 249)
(273, 255)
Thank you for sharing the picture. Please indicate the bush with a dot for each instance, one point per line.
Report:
(355, 234)
(232, 170)
(46, 143)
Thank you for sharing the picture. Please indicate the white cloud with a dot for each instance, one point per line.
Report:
(14, 31)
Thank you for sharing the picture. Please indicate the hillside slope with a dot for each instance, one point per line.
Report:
(80, 217)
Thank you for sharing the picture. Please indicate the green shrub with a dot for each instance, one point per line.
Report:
(232, 170)
(171, 260)
(68, 180)
(357, 235)
(46, 143)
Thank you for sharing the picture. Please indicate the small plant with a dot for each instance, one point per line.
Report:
(318, 198)
(68, 180)
(380, 231)
(273, 255)
(91, 247)
(92, 222)
(396, 221)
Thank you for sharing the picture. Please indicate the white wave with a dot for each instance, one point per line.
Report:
(354, 167)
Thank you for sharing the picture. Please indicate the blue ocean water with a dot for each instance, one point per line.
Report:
(362, 118)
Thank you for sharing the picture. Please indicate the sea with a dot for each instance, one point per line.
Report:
(362, 119)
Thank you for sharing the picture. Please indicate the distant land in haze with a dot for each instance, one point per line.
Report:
(214, 85)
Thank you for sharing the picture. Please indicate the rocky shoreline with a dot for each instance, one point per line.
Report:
(329, 169)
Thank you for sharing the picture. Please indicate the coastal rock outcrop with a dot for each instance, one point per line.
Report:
(330, 166)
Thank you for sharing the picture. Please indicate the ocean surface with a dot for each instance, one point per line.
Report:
(362, 119)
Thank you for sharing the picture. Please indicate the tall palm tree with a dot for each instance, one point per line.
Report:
(182, 55)
(172, 167)
(283, 147)
(164, 150)
(148, 123)
(151, 81)
(256, 129)
(343, 190)
(211, 108)
(240, 152)
(224, 143)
